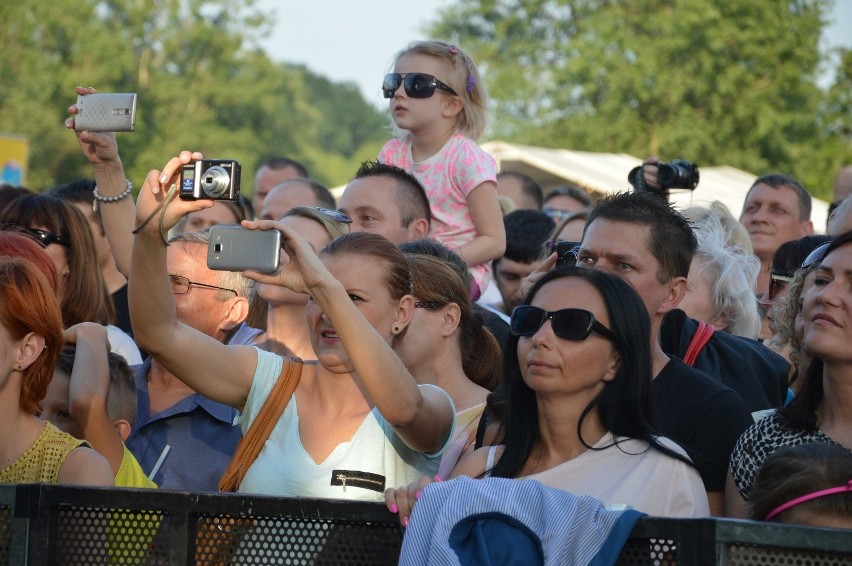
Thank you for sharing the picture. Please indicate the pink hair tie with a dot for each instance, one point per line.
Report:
(453, 49)
(815, 495)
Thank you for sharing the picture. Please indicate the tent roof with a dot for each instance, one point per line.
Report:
(605, 173)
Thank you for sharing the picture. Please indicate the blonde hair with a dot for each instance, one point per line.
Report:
(465, 80)
(335, 228)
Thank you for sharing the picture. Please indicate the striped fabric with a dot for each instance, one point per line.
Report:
(571, 529)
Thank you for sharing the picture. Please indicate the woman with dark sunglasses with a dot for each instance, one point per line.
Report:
(577, 408)
(820, 412)
(59, 227)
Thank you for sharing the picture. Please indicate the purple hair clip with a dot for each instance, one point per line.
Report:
(453, 49)
(471, 82)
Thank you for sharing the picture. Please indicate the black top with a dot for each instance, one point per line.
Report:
(122, 310)
(748, 367)
(703, 416)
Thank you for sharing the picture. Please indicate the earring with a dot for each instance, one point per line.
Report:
(396, 329)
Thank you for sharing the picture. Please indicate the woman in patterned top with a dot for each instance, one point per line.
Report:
(32, 450)
(821, 411)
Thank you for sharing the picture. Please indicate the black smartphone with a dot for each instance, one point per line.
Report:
(234, 248)
(566, 252)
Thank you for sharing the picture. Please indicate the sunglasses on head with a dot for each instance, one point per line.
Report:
(568, 324)
(417, 85)
(815, 256)
(333, 214)
(46, 238)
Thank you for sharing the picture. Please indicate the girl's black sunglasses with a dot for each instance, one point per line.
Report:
(568, 324)
(417, 85)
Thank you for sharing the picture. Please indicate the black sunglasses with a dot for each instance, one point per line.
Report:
(568, 324)
(417, 85)
(777, 282)
(46, 238)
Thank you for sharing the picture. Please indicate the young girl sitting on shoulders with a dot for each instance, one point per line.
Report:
(437, 99)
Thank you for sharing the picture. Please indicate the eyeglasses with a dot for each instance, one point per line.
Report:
(181, 285)
(777, 283)
(816, 255)
(46, 238)
(428, 305)
(333, 214)
(568, 324)
(417, 85)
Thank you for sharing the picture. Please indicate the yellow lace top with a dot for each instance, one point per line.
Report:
(41, 463)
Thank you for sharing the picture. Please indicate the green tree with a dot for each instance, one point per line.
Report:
(203, 83)
(715, 82)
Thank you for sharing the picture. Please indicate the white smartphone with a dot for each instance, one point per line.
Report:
(234, 248)
(106, 112)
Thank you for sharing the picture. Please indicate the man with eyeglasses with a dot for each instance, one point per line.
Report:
(176, 428)
(639, 237)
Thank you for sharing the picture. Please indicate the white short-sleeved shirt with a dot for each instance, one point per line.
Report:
(375, 458)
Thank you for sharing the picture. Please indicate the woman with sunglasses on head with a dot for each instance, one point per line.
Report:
(439, 103)
(577, 379)
(448, 345)
(64, 232)
(32, 450)
(821, 410)
(287, 333)
(357, 420)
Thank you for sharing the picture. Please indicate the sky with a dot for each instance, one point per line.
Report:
(356, 40)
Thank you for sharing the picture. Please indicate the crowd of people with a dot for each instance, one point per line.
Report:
(439, 320)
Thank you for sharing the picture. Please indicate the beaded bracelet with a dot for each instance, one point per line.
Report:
(120, 196)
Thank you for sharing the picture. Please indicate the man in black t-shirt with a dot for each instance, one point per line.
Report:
(640, 237)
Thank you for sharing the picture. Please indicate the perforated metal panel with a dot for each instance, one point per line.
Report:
(221, 539)
(87, 535)
(752, 555)
(5, 533)
(648, 552)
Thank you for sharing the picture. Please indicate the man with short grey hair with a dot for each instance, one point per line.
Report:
(176, 428)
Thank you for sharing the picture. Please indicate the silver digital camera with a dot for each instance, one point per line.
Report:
(215, 179)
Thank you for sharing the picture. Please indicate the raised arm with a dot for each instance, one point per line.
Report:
(222, 373)
(89, 390)
(101, 149)
(423, 417)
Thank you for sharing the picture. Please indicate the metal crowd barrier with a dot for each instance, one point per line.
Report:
(57, 525)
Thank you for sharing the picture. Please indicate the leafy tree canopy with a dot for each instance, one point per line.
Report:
(714, 82)
(203, 83)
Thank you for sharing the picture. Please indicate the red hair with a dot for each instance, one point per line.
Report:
(15, 243)
(29, 304)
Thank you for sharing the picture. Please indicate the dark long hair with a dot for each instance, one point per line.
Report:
(801, 414)
(623, 405)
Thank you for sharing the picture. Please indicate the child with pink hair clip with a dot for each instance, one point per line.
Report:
(439, 104)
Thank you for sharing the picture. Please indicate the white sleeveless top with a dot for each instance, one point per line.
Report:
(374, 458)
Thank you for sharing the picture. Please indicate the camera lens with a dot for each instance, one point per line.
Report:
(215, 182)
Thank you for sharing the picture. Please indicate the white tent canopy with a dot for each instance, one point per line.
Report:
(605, 173)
